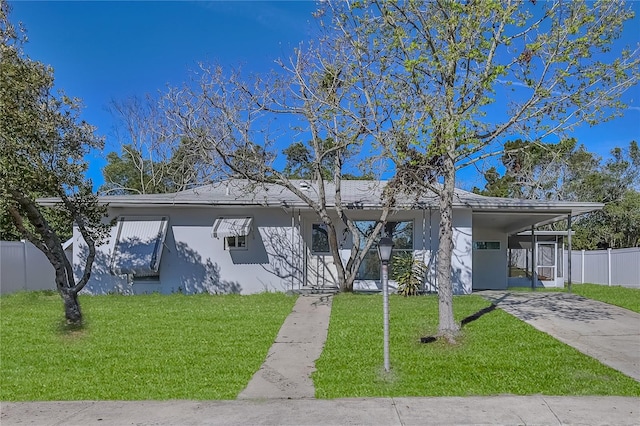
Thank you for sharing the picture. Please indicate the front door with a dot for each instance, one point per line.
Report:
(546, 263)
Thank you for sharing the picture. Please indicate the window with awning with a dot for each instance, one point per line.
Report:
(233, 230)
(231, 227)
(138, 245)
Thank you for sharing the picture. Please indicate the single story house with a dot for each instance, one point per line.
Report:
(234, 237)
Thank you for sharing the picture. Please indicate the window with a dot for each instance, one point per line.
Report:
(486, 245)
(138, 245)
(234, 231)
(400, 232)
(236, 242)
(319, 239)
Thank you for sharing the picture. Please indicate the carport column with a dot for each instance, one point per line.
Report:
(533, 258)
(570, 252)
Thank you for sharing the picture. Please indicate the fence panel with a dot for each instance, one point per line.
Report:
(24, 267)
(12, 266)
(596, 269)
(625, 267)
(614, 267)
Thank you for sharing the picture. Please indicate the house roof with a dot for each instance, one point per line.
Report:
(503, 213)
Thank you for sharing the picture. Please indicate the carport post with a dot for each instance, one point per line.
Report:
(569, 251)
(533, 258)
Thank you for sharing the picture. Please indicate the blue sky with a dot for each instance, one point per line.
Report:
(103, 51)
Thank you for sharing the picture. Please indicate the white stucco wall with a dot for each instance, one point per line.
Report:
(462, 259)
(193, 261)
(490, 266)
(425, 242)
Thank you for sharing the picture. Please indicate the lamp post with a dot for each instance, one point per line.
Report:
(385, 245)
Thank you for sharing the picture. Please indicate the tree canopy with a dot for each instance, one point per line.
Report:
(461, 77)
(419, 89)
(568, 172)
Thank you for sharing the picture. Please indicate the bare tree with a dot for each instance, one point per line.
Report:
(149, 161)
(318, 96)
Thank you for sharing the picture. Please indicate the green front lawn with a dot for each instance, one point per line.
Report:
(628, 298)
(132, 348)
(497, 354)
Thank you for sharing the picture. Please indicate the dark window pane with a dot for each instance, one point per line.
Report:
(319, 238)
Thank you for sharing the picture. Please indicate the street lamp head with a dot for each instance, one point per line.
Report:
(385, 245)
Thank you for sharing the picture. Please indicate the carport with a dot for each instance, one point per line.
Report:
(542, 267)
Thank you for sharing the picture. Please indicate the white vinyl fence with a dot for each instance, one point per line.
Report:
(24, 267)
(607, 267)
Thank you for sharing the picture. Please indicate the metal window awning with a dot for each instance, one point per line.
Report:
(138, 245)
(231, 227)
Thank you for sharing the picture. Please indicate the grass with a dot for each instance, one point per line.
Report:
(628, 298)
(497, 354)
(132, 348)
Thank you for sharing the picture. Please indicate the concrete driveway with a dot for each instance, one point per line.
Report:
(602, 331)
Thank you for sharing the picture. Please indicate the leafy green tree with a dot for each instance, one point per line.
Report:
(564, 172)
(616, 183)
(541, 68)
(43, 145)
(535, 170)
(299, 164)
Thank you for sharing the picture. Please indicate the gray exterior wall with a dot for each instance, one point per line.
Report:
(193, 261)
(277, 258)
(462, 261)
(425, 244)
(490, 267)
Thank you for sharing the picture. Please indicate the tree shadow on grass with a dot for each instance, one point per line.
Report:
(465, 321)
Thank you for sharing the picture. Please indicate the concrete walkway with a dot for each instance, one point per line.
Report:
(496, 410)
(605, 332)
(286, 372)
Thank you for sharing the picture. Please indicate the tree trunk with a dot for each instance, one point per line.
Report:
(448, 328)
(72, 311)
(67, 289)
(334, 247)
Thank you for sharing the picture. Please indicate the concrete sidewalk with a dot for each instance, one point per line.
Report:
(605, 332)
(286, 372)
(498, 410)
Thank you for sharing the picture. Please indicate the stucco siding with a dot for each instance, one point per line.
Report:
(193, 261)
(277, 256)
(490, 265)
(462, 259)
